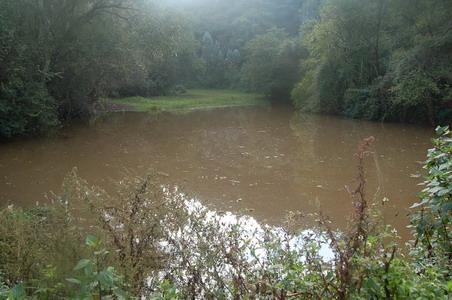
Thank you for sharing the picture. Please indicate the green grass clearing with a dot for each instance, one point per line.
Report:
(193, 99)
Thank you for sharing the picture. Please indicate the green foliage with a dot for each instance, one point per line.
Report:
(223, 29)
(379, 60)
(16, 293)
(95, 281)
(57, 58)
(25, 105)
(25, 108)
(345, 48)
(269, 66)
(164, 47)
(37, 230)
(371, 103)
(432, 221)
(166, 291)
(422, 83)
(37, 249)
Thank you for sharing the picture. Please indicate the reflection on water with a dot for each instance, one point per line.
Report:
(264, 160)
(254, 237)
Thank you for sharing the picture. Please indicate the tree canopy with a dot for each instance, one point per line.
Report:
(378, 60)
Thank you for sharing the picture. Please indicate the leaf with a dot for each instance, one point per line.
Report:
(17, 292)
(106, 278)
(416, 205)
(74, 281)
(83, 263)
(92, 241)
(443, 192)
(441, 130)
(102, 252)
(119, 293)
(372, 285)
(435, 189)
(446, 207)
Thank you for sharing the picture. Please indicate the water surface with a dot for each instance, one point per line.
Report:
(262, 160)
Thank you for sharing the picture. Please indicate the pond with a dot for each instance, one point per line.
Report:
(262, 161)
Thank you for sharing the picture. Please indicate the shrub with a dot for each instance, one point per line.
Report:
(269, 66)
(25, 108)
(432, 220)
(37, 248)
(95, 280)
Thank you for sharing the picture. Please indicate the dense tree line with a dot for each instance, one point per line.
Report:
(233, 35)
(378, 60)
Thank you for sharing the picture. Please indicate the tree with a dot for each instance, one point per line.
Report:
(269, 66)
(381, 60)
(25, 104)
(57, 58)
(346, 49)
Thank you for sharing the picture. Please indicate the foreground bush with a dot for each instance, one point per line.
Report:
(38, 249)
(156, 243)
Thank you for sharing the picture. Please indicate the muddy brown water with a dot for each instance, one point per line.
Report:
(265, 161)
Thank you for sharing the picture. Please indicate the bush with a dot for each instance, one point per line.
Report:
(370, 103)
(179, 90)
(270, 67)
(321, 89)
(95, 280)
(25, 105)
(26, 109)
(38, 248)
(422, 80)
(432, 220)
(331, 85)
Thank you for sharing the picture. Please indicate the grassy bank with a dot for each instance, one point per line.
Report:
(193, 99)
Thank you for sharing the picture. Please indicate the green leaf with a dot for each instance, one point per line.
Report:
(441, 130)
(435, 189)
(372, 285)
(106, 278)
(74, 281)
(446, 207)
(119, 293)
(102, 252)
(17, 292)
(83, 263)
(415, 205)
(92, 241)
